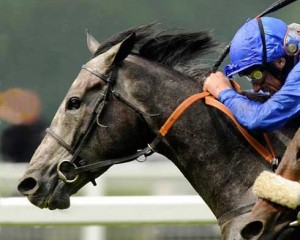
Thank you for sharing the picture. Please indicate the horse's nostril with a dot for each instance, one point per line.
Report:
(28, 186)
(252, 229)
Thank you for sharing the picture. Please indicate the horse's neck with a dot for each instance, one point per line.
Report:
(217, 161)
(206, 148)
(212, 155)
(203, 144)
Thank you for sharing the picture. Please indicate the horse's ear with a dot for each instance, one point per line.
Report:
(120, 51)
(92, 43)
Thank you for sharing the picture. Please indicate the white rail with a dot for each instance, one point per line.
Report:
(109, 210)
(94, 209)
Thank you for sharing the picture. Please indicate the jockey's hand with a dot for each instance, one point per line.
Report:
(216, 83)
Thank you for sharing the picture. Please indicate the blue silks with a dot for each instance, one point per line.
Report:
(271, 115)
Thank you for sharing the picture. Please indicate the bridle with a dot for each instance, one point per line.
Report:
(68, 170)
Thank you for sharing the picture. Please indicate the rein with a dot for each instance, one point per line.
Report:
(67, 169)
(267, 154)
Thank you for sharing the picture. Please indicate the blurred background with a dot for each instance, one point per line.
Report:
(42, 47)
(43, 43)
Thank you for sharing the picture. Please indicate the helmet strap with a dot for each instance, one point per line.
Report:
(263, 40)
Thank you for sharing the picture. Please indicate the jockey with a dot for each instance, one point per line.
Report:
(266, 51)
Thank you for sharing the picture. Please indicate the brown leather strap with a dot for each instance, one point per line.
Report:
(60, 140)
(235, 85)
(210, 100)
(180, 110)
(269, 143)
(266, 154)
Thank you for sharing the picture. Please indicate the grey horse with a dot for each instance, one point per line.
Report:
(116, 106)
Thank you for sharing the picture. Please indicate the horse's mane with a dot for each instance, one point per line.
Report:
(181, 51)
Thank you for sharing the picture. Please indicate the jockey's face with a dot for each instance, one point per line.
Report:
(270, 84)
(263, 80)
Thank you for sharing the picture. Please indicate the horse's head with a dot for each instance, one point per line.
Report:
(274, 216)
(108, 113)
(87, 127)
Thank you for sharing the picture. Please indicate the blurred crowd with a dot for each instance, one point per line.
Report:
(23, 125)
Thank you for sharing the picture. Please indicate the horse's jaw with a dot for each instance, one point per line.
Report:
(58, 199)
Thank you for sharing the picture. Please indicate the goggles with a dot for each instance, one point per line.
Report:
(255, 77)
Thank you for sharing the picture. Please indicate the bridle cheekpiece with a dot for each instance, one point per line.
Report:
(68, 170)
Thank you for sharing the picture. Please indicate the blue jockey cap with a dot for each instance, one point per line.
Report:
(246, 49)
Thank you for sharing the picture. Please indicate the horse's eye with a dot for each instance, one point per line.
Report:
(73, 103)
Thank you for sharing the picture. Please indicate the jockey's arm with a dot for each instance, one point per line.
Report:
(268, 116)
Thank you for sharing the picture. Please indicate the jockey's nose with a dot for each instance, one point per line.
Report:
(28, 186)
(256, 88)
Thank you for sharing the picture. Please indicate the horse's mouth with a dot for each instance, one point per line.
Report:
(52, 193)
(59, 199)
(52, 196)
(51, 203)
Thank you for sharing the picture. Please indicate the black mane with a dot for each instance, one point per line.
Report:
(181, 51)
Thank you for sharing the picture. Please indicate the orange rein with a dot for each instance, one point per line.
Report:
(267, 154)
